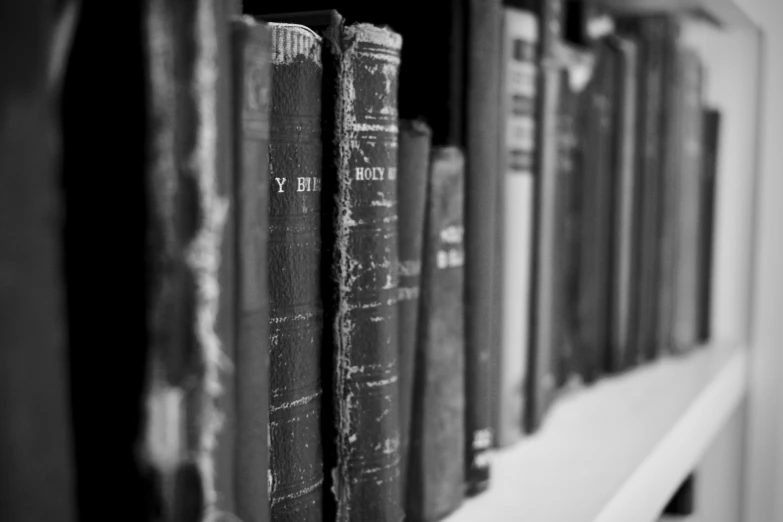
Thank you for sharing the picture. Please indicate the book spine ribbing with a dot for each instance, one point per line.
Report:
(366, 477)
(296, 312)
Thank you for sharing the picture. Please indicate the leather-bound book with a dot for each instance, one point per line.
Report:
(436, 471)
(414, 160)
(365, 63)
(484, 20)
(252, 57)
(294, 254)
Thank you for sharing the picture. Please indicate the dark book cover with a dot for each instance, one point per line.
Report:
(413, 159)
(365, 61)
(647, 31)
(38, 474)
(482, 170)
(541, 379)
(623, 298)
(670, 181)
(685, 322)
(294, 255)
(568, 216)
(436, 471)
(711, 125)
(251, 54)
(596, 213)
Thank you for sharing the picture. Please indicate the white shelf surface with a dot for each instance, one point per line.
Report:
(616, 451)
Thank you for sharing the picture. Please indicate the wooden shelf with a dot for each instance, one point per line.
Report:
(617, 451)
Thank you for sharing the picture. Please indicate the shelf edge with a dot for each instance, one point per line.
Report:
(679, 451)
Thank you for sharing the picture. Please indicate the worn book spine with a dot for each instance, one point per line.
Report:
(482, 171)
(437, 470)
(296, 310)
(413, 165)
(518, 103)
(252, 57)
(623, 300)
(711, 119)
(366, 61)
(685, 327)
(188, 208)
(543, 331)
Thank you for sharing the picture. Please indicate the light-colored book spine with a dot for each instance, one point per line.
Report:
(519, 99)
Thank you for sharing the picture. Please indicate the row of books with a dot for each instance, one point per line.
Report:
(422, 230)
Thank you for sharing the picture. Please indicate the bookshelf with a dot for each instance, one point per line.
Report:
(617, 451)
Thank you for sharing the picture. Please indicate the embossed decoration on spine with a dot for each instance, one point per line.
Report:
(366, 478)
(296, 319)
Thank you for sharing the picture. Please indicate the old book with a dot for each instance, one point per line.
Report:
(647, 31)
(39, 475)
(365, 62)
(482, 169)
(711, 124)
(596, 214)
(190, 198)
(251, 73)
(623, 301)
(436, 471)
(413, 165)
(296, 309)
(689, 199)
(518, 105)
(543, 330)
(670, 176)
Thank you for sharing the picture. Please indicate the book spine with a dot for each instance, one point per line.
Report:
(437, 470)
(689, 198)
(252, 53)
(670, 180)
(296, 311)
(185, 179)
(482, 172)
(519, 98)
(596, 215)
(710, 132)
(413, 165)
(366, 478)
(568, 229)
(541, 378)
(623, 301)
